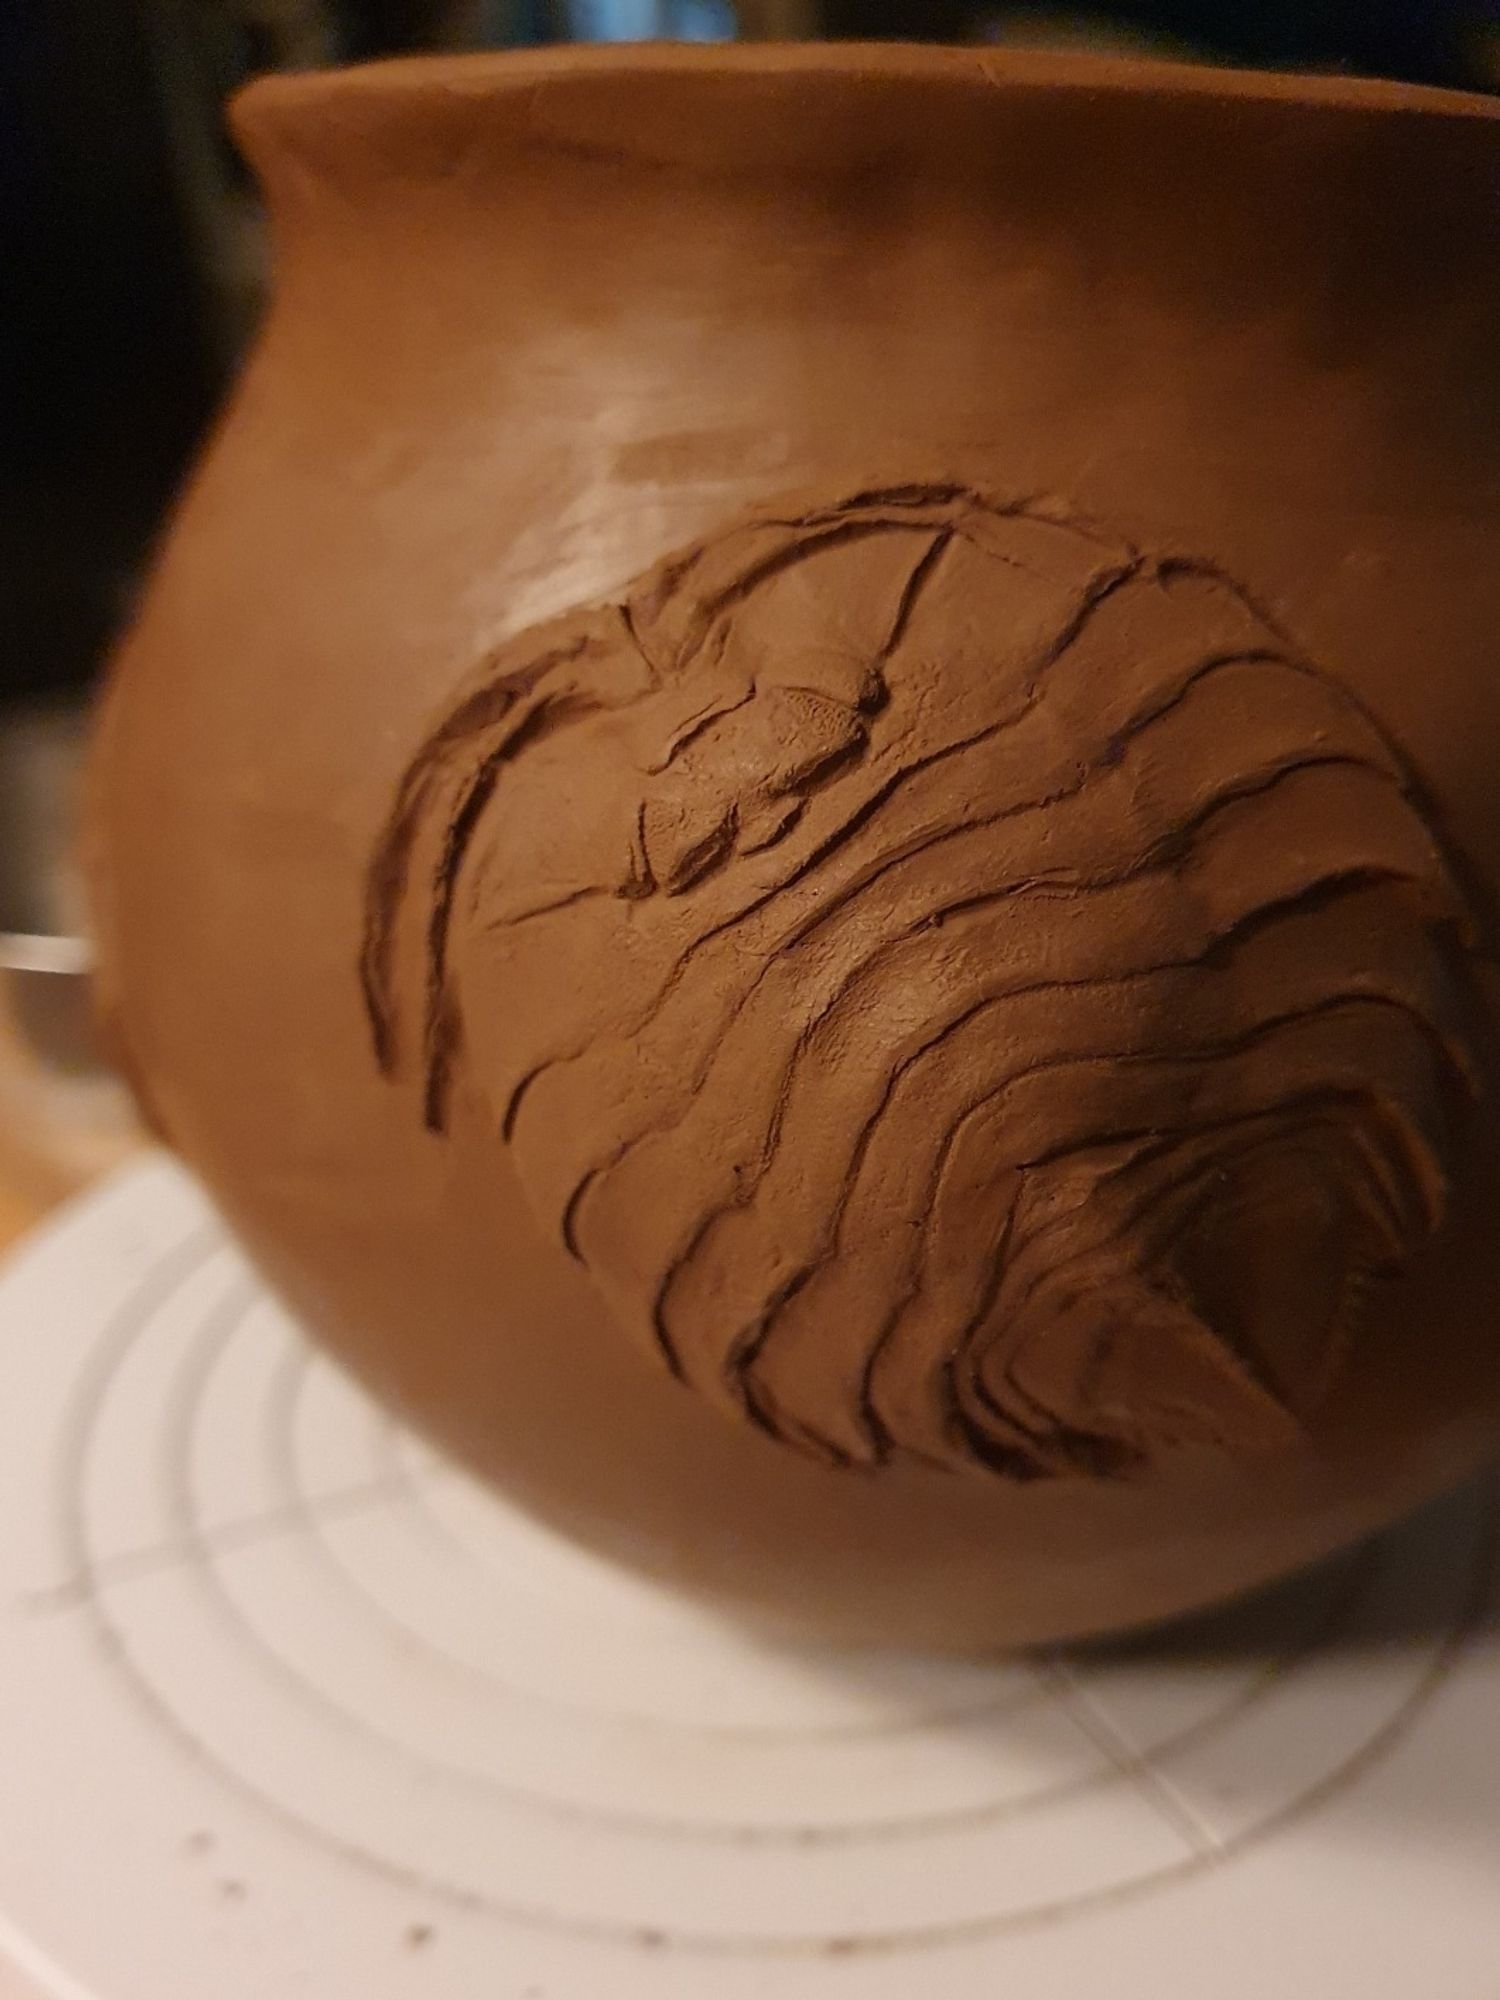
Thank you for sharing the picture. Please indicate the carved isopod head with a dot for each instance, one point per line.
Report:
(962, 987)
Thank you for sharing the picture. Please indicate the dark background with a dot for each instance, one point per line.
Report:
(130, 249)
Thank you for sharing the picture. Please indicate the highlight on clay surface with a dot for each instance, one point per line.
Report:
(965, 988)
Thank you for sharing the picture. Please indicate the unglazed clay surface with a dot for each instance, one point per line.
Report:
(960, 985)
(802, 823)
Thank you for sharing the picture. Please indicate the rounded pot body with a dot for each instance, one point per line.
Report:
(898, 356)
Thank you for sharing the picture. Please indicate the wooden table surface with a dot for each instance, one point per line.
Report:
(58, 1132)
(18, 1212)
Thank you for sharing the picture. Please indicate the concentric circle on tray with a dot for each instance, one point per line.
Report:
(353, 1642)
(544, 1708)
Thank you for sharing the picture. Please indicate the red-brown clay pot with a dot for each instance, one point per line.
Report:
(802, 824)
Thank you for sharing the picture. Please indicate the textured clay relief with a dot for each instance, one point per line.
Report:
(964, 987)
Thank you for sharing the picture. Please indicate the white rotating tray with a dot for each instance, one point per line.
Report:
(291, 1711)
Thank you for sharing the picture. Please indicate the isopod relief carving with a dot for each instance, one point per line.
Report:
(965, 987)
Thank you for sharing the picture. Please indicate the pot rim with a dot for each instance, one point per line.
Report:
(450, 80)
